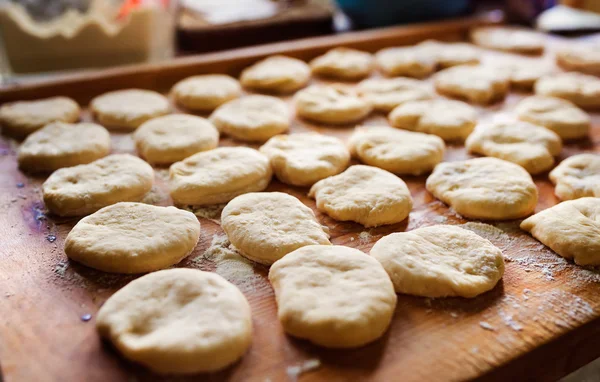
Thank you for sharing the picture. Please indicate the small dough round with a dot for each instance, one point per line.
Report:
(475, 83)
(303, 159)
(61, 144)
(363, 194)
(521, 72)
(133, 238)
(178, 321)
(219, 175)
(580, 58)
(276, 74)
(447, 54)
(556, 114)
(333, 296)
(440, 261)
(530, 146)
(405, 61)
(577, 177)
(581, 89)
(484, 188)
(206, 92)
(129, 108)
(387, 93)
(254, 118)
(20, 119)
(344, 64)
(571, 229)
(517, 40)
(168, 139)
(397, 151)
(265, 226)
(83, 189)
(448, 119)
(331, 105)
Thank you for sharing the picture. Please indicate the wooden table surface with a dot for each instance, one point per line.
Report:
(541, 321)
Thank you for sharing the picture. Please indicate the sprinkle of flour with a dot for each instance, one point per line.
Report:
(295, 371)
(212, 213)
(497, 236)
(365, 237)
(486, 326)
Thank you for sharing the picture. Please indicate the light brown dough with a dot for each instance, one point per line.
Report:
(517, 40)
(577, 177)
(206, 92)
(581, 89)
(580, 58)
(387, 93)
(405, 61)
(331, 105)
(475, 83)
(127, 109)
(447, 54)
(343, 63)
(276, 74)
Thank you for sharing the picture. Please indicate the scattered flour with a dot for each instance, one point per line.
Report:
(365, 237)
(212, 213)
(486, 326)
(295, 371)
(61, 268)
(509, 320)
(497, 236)
(154, 196)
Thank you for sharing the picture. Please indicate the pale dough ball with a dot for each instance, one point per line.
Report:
(387, 93)
(265, 226)
(219, 175)
(530, 146)
(363, 194)
(252, 118)
(133, 238)
(303, 159)
(405, 61)
(580, 58)
(556, 114)
(581, 89)
(127, 109)
(206, 92)
(447, 54)
(509, 39)
(571, 229)
(440, 261)
(484, 188)
(333, 296)
(475, 83)
(522, 73)
(343, 63)
(397, 151)
(577, 177)
(448, 119)
(20, 119)
(60, 144)
(178, 321)
(330, 105)
(276, 74)
(83, 189)
(172, 138)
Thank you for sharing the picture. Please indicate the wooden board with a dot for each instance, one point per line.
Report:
(541, 321)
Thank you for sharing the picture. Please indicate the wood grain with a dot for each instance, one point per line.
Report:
(540, 322)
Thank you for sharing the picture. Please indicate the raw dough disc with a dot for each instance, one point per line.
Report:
(330, 105)
(580, 58)
(343, 63)
(581, 89)
(387, 93)
(517, 40)
(127, 109)
(405, 61)
(577, 177)
(475, 83)
(447, 54)
(206, 92)
(276, 74)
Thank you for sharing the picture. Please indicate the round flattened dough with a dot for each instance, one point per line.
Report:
(484, 188)
(447, 54)
(206, 92)
(522, 73)
(577, 177)
(22, 118)
(178, 321)
(556, 114)
(580, 58)
(581, 89)
(515, 40)
(333, 296)
(276, 74)
(83, 189)
(475, 83)
(331, 105)
(266, 226)
(448, 119)
(387, 93)
(397, 151)
(530, 146)
(172, 138)
(405, 61)
(571, 229)
(303, 159)
(440, 261)
(364, 194)
(133, 238)
(219, 175)
(252, 118)
(60, 144)
(128, 109)
(344, 64)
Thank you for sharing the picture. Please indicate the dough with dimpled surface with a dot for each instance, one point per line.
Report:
(276, 74)
(206, 92)
(331, 104)
(405, 61)
(475, 83)
(387, 93)
(128, 109)
(581, 89)
(577, 177)
(556, 114)
(343, 63)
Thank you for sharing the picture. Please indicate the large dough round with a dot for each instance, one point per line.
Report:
(127, 109)
(475, 83)
(440, 261)
(330, 105)
(276, 74)
(484, 188)
(580, 57)
(133, 238)
(405, 61)
(512, 39)
(387, 93)
(343, 63)
(178, 321)
(364, 194)
(206, 92)
(581, 89)
(447, 54)
(577, 177)
(333, 296)
(266, 226)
